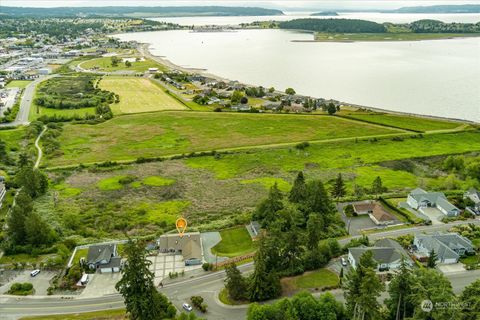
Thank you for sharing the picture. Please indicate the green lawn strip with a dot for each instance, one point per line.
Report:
(404, 121)
(105, 64)
(338, 154)
(175, 132)
(117, 314)
(18, 84)
(470, 260)
(387, 36)
(80, 253)
(268, 182)
(314, 279)
(235, 242)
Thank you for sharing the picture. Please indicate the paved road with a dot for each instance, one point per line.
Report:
(25, 103)
(207, 286)
(40, 151)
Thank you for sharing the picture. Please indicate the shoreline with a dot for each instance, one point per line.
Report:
(144, 49)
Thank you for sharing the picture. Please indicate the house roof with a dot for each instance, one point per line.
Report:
(189, 244)
(98, 253)
(385, 251)
(421, 195)
(473, 194)
(380, 214)
(114, 262)
(444, 244)
(443, 203)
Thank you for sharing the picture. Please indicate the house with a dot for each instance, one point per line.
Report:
(241, 107)
(419, 199)
(386, 252)
(448, 247)
(380, 216)
(364, 207)
(474, 196)
(103, 258)
(3, 192)
(189, 245)
(152, 70)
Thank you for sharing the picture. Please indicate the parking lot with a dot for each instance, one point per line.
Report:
(40, 282)
(164, 263)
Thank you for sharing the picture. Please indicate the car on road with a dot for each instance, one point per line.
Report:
(34, 272)
(187, 307)
(344, 261)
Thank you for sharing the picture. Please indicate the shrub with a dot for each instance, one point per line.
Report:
(21, 289)
(207, 266)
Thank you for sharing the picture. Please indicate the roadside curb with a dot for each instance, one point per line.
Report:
(227, 306)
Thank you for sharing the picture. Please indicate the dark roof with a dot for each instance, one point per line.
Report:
(98, 253)
(384, 251)
(115, 262)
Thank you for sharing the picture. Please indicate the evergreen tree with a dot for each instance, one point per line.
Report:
(235, 283)
(267, 209)
(432, 259)
(298, 193)
(264, 282)
(34, 182)
(318, 199)
(142, 300)
(315, 227)
(377, 186)
(19, 214)
(470, 301)
(399, 303)
(362, 287)
(338, 189)
(38, 232)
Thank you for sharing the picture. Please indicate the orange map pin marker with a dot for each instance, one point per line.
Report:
(181, 225)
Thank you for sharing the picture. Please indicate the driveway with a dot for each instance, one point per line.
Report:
(434, 215)
(210, 240)
(101, 284)
(359, 223)
(40, 282)
(452, 268)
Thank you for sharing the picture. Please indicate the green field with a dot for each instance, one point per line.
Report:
(18, 84)
(310, 280)
(139, 95)
(12, 137)
(105, 64)
(37, 111)
(268, 182)
(117, 314)
(406, 122)
(235, 242)
(390, 36)
(164, 133)
(340, 154)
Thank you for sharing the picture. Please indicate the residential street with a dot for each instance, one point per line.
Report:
(207, 285)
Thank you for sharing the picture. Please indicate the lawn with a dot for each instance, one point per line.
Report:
(310, 280)
(105, 64)
(18, 84)
(339, 154)
(235, 242)
(129, 137)
(12, 137)
(268, 182)
(118, 314)
(139, 95)
(37, 111)
(405, 122)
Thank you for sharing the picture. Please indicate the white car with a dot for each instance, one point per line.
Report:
(34, 273)
(187, 307)
(344, 261)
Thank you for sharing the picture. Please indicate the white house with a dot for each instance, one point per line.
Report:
(419, 199)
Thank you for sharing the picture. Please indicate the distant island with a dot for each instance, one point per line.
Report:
(138, 11)
(325, 14)
(463, 8)
(362, 30)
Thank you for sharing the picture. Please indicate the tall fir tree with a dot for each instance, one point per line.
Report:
(432, 259)
(339, 189)
(315, 228)
(400, 301)
(298, 193)
(142, 300)
(268, 208)
(235, 283)
(377, 186)
(19, 215)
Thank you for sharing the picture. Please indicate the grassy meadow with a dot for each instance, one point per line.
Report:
(105, 64)
(12, 137)
(18, 84)
(139, 95)
(390, 36)
(165, 133)
(405, 122)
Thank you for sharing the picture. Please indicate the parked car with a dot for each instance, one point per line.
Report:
(187, 307)
(34, 272)
(344, 261)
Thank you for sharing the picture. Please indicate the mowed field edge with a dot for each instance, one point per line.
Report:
(139, 95)
(128, 137)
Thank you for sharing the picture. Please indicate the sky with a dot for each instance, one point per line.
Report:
(280, 4)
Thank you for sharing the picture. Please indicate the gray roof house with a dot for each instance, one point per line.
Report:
(189, 245)
(387, 253)
(448, 247)
(3, 192)
(104, 258)
(419, 199)
(474, 195)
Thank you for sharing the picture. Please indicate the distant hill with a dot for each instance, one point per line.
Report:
(325, 14)
(138, 11)
(465, 8)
